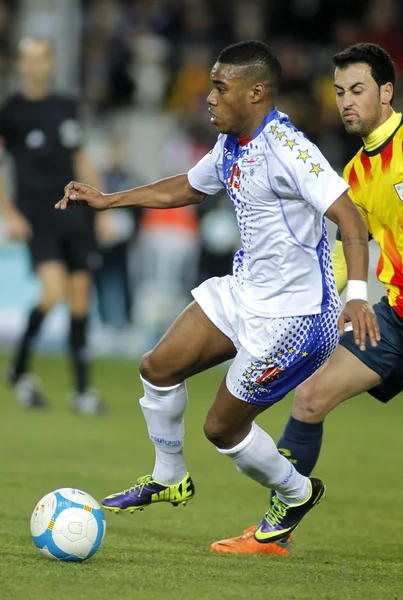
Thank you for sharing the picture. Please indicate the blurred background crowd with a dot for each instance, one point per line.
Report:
(141, 71)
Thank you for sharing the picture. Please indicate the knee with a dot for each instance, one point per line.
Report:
(310, 402)
(51, 298)
(147, 370)
(217, 432)
(151, 371)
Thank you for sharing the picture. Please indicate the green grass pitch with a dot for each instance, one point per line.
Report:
(350, 547)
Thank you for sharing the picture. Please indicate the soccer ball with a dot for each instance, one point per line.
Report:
(68, 524)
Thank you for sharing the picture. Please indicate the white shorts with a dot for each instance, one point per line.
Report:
(274, 355)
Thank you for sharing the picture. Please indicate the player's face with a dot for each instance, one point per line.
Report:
(230, 108)
(359, 99)
(35, 62)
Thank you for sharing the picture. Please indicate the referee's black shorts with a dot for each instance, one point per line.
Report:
(386, 358)
(74, 247)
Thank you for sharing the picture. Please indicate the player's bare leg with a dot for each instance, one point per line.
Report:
(342, 377)
(53, 278)
(192, 344)
(28, 389)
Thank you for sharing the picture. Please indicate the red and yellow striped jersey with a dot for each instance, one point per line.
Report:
(375, 175)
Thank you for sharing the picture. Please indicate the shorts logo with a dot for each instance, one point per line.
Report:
(399, 190)
(268, 376)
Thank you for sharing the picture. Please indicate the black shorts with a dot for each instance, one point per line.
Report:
(77, 250)
(386, 358)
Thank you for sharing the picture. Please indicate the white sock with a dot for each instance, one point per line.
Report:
(257, 457)
(163, 409)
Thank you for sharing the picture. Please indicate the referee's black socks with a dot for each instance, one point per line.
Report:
(20, 363)
(79, 355)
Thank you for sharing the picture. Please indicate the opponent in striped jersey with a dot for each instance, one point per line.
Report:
(375, 176)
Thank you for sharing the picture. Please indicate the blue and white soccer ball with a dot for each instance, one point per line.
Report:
(68, 524)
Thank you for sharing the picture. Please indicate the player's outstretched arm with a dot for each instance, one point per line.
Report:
(171, 192)
(354, 235)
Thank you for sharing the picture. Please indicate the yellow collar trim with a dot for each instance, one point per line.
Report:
(377, 137)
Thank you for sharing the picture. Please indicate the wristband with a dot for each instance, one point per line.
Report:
(356, 290)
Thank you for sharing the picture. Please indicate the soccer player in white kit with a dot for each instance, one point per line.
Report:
(276, 316)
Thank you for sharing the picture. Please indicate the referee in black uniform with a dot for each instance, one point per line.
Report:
(41, 133)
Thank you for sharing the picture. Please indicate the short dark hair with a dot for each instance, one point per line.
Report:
(380, 62)
(260, 59)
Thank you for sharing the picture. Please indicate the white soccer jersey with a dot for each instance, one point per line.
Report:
(280, 185)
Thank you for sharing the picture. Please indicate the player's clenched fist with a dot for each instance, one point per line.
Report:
(84, 194)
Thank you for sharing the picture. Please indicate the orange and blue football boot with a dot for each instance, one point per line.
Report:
(246, 544)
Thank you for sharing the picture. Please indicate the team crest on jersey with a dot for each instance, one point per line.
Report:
(250, 165)
(399, 190)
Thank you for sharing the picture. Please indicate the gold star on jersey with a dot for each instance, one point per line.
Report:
(316, 169)
(304, 155)
(291, 144)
